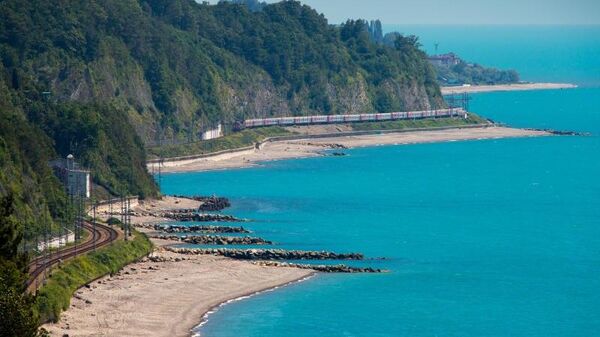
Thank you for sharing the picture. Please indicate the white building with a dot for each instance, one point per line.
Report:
(213, 133)
(77, 181)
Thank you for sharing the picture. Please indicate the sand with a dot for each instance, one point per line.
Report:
(505, 87)
(165, 298)
(317, 147)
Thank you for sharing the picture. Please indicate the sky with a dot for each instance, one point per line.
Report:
(461, 11)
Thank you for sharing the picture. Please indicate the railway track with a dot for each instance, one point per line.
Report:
(100, 235)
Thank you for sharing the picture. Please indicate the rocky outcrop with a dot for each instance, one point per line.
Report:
(214, 204)
(562, 133)
(216, 240)
(204, 229)
(269, 254)
(339, 268)
(324, 145)
(208, 204)
(200, 217)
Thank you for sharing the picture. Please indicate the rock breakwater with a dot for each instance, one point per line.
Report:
(216, 240)
(208, 203)
(201, 217)
(195, 229)
(269, 254)
(339, 268)
(562, 132)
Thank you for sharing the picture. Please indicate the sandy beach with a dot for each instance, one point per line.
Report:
(168, 294)
(505, 87)
(165, 298)
(315, 147)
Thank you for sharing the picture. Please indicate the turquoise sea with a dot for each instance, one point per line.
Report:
(483, 238)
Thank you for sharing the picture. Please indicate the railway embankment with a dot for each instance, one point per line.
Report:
(65, 279)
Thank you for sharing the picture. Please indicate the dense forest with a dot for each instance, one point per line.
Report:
(103, 79)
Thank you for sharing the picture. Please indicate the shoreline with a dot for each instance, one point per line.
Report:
(307, 147)
(216, 308)
(186, 289)
(505, 87)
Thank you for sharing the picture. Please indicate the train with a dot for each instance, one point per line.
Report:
(336, 119)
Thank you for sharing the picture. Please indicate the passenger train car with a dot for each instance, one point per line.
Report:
(332, 119)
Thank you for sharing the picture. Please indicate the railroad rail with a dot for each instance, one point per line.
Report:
(370, 117)
(100, 235)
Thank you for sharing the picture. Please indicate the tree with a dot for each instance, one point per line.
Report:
(16, 306)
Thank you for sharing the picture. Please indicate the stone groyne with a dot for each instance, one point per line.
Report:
(562, 132)
(209, 204)
(269, 254)
(216, 240)
(338, 268)
(195, 229)
(200, 217)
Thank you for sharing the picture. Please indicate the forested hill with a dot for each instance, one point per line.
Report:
(122, 72)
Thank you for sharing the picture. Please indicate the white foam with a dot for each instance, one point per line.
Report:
(216, 308)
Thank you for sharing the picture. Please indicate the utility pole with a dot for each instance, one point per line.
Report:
(72, 219)
(129, 217)
(94, 223)
(78, 223)
(46, 257)
(46, 253)
(124, 214)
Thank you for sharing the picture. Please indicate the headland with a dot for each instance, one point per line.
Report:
(471, 89)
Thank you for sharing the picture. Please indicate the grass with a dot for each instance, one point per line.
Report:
(55, 295)
(419, 123)
(235, 140)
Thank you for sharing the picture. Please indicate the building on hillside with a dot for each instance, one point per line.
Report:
(446, 60)
(77, 181)
(213, 133)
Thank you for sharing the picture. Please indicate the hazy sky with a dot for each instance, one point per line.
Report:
(462, 11)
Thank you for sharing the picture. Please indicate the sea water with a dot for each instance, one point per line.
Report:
(482, 238)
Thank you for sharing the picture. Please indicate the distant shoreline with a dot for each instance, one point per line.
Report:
(505, 87)
(313, 147)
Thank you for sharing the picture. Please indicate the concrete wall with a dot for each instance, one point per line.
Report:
(213, 134)
(57, 242)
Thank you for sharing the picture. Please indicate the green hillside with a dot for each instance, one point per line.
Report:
(124, 75)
